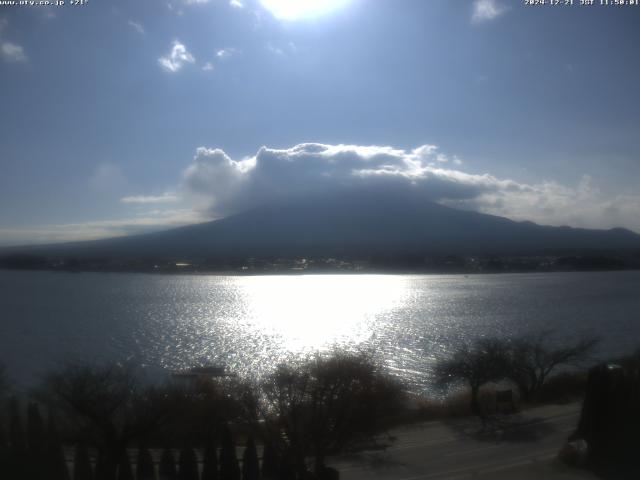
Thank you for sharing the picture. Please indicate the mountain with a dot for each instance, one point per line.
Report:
(351, 225)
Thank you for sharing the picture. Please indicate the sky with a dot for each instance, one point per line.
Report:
(119, 117)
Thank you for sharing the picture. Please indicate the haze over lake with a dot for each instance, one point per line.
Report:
(251, 323)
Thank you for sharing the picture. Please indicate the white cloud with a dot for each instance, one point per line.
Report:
(145, 199)
(176, 58)
(221, 185)
(236, 4)
(225, 53)
(136, 26)
(208, 67)
(12, 52)
(484, 10)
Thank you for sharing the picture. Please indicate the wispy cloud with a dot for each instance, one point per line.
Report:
(485, 10)
(145, 222)
(136, 26)
(10, 51)
(208, 67)
(176, 58)
(146, 199)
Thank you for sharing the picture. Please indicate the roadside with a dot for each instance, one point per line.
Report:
(522, 446)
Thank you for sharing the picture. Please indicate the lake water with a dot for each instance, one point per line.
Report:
(252, 323)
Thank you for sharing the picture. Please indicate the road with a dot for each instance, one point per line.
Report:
(522, 446)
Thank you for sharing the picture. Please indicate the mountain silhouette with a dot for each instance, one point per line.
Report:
(352, 225)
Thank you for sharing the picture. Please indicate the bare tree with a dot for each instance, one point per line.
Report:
(533, 358)
(326, 405)
(482, 362)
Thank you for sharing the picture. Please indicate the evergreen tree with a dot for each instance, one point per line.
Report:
(35, 430)
(145, 469)
(269, 461)
(17, 465)
(82, 464)
(210, 467)
(229, 469)
(56, 463)
(250, 464)
(16, 432)
(188, 464)
(168, 466)
(125, 472)
(103, 470)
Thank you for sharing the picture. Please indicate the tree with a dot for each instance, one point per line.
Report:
(168, 469)
(82, 464)
(250, 464)
(269, 461)
(56, 462)
(35, 430)
(4, 383)
(109, 404)
(125, 472)
(144, 468)
(17, 461)
(327, 405)
(16, 432)
(188, 464)
(3, 390)
(229, 469)
(483, 362)
(533, 358)
(210, 463)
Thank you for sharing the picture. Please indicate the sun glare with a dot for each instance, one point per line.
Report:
(313, 312)
(300, 9)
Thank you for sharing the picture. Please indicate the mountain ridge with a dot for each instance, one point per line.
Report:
(349, 225)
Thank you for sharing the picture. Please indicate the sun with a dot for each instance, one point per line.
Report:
(300, 9)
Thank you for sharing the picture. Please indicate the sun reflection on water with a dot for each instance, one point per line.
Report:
(316, 311)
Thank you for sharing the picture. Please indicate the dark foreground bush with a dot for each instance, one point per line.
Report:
(610, 419)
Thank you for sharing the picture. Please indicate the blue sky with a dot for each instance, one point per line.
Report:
(118, 117)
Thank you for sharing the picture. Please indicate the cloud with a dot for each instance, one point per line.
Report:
(177, 57)
(208, 67)
(233, 3)
(136, 26)
(225, 53)
(145, 199)
(9, 51)
(151, 221)
(177, 11)
(220, 185)
(12, 52)
(484, 10)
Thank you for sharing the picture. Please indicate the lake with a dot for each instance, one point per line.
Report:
(252, 323)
